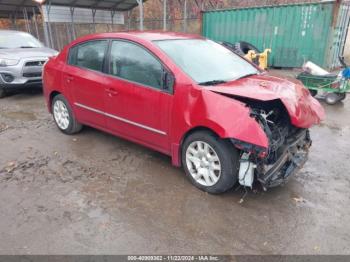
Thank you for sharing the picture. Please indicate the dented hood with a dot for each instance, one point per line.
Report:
(303, 109)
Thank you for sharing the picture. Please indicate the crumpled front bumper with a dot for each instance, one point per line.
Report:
(292, 159)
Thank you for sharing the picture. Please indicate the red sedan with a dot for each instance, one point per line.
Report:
(217, 115)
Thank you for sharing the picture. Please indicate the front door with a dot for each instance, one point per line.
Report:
(136, 104)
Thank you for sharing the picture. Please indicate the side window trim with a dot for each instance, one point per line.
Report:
(104, 65)
(108, 64)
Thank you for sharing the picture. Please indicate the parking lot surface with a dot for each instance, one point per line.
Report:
(93, 193)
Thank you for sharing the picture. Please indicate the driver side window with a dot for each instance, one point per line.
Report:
(132, 62)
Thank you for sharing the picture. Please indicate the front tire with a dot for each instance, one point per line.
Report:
(2, 92)
(210, 162)
(313, 92)
(63, 116)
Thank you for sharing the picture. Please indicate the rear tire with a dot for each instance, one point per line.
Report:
(332, 98)
(210, 162)
(342, 96)
(63, 116)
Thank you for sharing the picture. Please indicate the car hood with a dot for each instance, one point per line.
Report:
(20, 53)
(303, 109)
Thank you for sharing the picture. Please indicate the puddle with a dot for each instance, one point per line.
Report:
(19, 115)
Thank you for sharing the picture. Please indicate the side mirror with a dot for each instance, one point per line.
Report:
(168, 81)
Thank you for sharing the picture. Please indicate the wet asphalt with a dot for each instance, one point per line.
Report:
(93, 193)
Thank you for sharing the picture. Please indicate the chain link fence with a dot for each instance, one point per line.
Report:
(181, 16)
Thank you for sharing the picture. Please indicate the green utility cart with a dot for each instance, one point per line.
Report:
(334, 87)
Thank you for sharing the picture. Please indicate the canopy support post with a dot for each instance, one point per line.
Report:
(35, 24)
(46, 25)
(93, 18)
(185, 16)
(129, 20)
(140, 3)
(48, 6)
(164, 14)
(26, 20)
(112, 19)
(72, 22)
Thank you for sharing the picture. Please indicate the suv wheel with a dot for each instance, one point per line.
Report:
(63, 116)
(210, 162)
(2, 92)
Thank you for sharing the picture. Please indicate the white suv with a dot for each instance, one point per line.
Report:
(22, 57)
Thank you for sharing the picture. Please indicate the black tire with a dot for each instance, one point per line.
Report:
(242, 48)
(74, 126)
(342, 96)
(332, 98)
(2, 92)
(227, 154)
(313, 92)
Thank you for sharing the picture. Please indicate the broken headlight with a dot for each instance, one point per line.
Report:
(259, 151)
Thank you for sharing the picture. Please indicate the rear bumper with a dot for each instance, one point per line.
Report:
(290, 162)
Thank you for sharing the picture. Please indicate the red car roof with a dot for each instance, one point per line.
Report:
(161, 35)
(144, 35)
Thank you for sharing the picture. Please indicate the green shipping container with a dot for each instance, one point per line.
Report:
(295, 33)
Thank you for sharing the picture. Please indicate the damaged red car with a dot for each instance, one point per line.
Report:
(217, 115)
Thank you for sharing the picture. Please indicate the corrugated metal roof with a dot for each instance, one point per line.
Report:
(9, 7)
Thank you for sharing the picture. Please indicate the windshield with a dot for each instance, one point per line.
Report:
(206, 61)
(18, 40)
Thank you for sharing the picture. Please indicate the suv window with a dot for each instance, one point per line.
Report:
(88, 55)
(132, 62)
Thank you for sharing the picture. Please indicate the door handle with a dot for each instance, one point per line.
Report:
(69, 78)
(111, 92)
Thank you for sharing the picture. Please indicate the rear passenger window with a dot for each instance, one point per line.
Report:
(88, 55)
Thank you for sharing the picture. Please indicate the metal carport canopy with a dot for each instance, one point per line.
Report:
(116, 5)
(17, 7)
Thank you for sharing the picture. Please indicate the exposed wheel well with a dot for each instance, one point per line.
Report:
(196, 129)
(52, 95)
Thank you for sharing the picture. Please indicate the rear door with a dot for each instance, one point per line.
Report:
(136, 104)
(84, 79)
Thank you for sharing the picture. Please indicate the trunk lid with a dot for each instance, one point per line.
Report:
(303, 109)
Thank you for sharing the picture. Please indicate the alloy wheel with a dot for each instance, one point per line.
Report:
(61, 114)
(203, 163)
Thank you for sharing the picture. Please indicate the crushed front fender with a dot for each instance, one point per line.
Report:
(304, 111)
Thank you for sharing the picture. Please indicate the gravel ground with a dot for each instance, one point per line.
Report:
(93, 193)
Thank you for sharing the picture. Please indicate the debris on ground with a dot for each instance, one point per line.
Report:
(3, 127)
(10, 166)
(299, 200)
